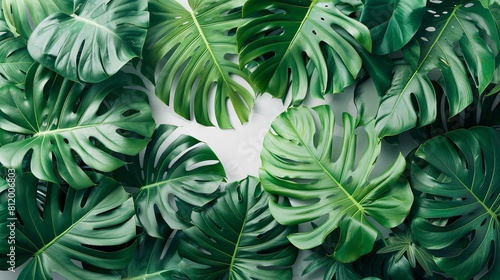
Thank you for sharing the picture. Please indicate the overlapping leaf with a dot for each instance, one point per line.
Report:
(14, 57)
(62, 120)
(93, 41)
(151, 262)
(473, 30)
(297, 163)
(459, 176)
(196, 46)
(186, 170)
(460, 181)
(24, 15)
(392, 23)
(289, 42)
(237, 238)
(95, 226)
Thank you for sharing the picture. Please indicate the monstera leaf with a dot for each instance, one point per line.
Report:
(186, 170)
(411, 100)
(237, 238)
(65, 122)
(196, 46)
(95, 226)
(458, 174)
(294, 40)
(93, 41)
(14, 57)
(392, 23)
(150, 262)
(24, 15)
(297, 163)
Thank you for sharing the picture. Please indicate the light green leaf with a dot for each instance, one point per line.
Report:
(458, 174)
(92, 41)
(392, 23)
(172, 179)
(297, 162)
(24, 15)
(473, 30)
(63, 120)
(236, 238)
(197, 47)
(95, 226)
(295, 42)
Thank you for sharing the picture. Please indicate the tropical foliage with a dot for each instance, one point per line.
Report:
(91, 187)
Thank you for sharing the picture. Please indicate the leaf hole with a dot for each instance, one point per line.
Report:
(468, 5)
(430, 29)
(314, 32)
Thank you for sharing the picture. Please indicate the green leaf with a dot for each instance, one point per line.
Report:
(458, 174)
(175, 172)
(93, 41)
(94, 226)
(468, 26)
(333, 269)
(297, 163)
(23, 16)
(487, 3)
(63, 120)
(197, 46)
(392, 23)
(151, 262)
(14, 57)
(403, 244)
(297, 42)
(236, 238)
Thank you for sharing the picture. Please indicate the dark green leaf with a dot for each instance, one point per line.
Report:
(93, 41)
(468, 26)
(151, 262)
(297, 163)
(183, 174)
(94, 226)
(392, 23)
(458, 174)
(237, 238)
(63, 120)
(197, 47)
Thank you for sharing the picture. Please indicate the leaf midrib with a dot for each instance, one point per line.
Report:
(347, 194)
(208, 46)
(53, 241)
(424, 60)
(237, 244)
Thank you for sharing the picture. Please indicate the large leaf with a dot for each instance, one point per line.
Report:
(93, 41)
(392, 23)
(237, 238)
(175, 173)
(95, 226)
(24, 15)
(411, 100)
(197, 46)
(155, 259)
(62, 120)
(297, 162)
(289, 41)
(14, 57)
(459, 176)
